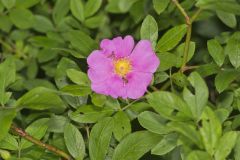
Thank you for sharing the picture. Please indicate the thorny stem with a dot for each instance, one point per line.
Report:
(37, 142)
(189, 22)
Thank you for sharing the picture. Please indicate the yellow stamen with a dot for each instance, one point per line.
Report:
(122, 66)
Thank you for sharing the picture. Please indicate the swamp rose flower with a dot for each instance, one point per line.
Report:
(119, 69)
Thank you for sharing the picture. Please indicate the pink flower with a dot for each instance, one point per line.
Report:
(119, 69)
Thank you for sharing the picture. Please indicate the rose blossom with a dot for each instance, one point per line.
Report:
(119, 69)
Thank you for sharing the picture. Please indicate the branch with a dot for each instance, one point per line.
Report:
(189, 22)
(35, 141)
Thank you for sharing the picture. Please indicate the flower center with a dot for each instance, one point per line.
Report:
(122, 66)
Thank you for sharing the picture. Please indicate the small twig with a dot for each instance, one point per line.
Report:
(196, 14)
(181, 9)
(189, 68)
(37, 142)
(186, 47)
(189, 22)
(154, 88)
(128, 105)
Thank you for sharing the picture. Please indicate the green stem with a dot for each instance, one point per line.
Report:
(183, 12)
(35, 141)
(189, 22)
(186, 47)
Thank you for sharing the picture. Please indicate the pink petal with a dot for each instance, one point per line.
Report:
(98, 61)
(137, 84)
(98, 76)
(116, 87)
(118, 46)
(143, 57)
(100, 88)
(112, 86)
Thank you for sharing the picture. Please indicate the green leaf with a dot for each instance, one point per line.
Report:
(22, 18)
(91, 7)
(160, 77)
(76, 90)
(122, 125)
(225, 145)
(224, 79)
(90, 114)
(216, 51)
(82, 42)
(198, 155)
(227, 18)
(56, 123)
(171, 38)
(169, 105)
(42, 24)
(5, 23)
(96, 21)
(198, 101)
(149, 30)
(6, 117)
(9, 142)
(168, 60)
(135, 145)
(40, 98)
(74, 141)
(230, 6)
(211, 130)
(9, 3)
(7, 76)
(233, 49)
(60, 10)
(180, 53)
(99, 139)
(37, 129)
(98, 99)
(187, 130)
(78, 77)
(237, 149)
(116, 6)
(153, 122)
(61, 75)
(167, 144)
(26, 3)
(77, 9)
(160, 6)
